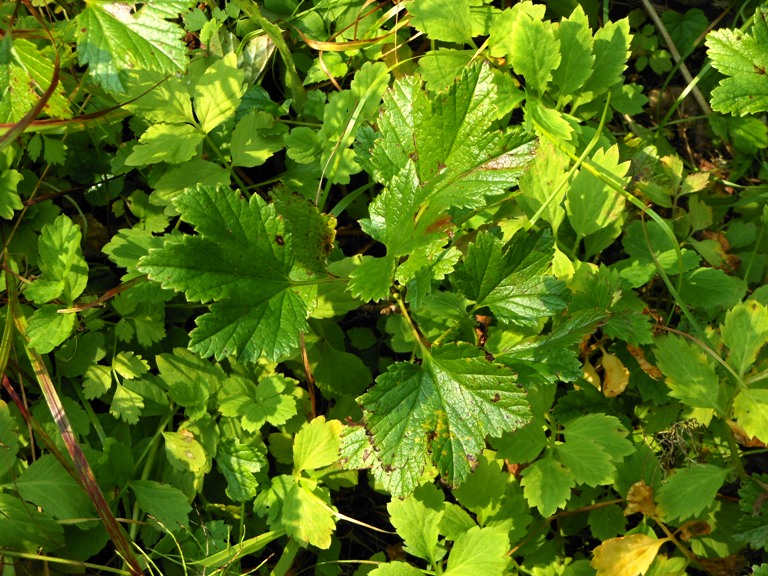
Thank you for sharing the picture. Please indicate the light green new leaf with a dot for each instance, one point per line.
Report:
(218, 92)
(744, 59)
(9, 196)
(25, 529)
(547, 485)
(395, 569)
(48, 485)
(47, 328)
(689, 373)
(254, 404)
(750, 408)
(97, 381)
(112, 37)
(593, 205)
(317, 444)
(535, 52)
(164, 504)
(576, 61)
(689, 491)
(479, 551)
(416, 519)
(307, 514)
(242, 259)
(446, 406)
(65, 272)
(542, 184)
(172, 143)
(239, 463)
(449, 25)
(484, 488)
(189, 379)
(745, 332)
(511, 280)
(256, 138)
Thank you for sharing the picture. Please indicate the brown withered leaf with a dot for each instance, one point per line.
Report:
(616, 376)
(646, 366)
(640, 499)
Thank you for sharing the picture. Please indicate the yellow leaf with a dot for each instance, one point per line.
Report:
(626, 556)
(616, 376)
(590, 374)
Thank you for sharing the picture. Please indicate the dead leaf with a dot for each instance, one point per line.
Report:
(646, 366)
(626, 556)
(589, 374)
(743, 438)
(729, 566)
(616, 376)
(694, 529)
(640, 499)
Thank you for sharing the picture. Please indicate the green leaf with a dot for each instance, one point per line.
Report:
(575, 39)
(126, 404)
(372, 279)
(547, 485)
(185, 452)
(416, 519)
(745, 332)
(589, 463)
(65, 272)
(542, 185)
(256, 138)
(750, 408)
(395, 569)
(431, 18)
(611, 49)
(242, 259)
(690, 373)
(317, 444)
(689, 491)
(743, 58)
(446, 406)
(534, 51)
(24, 528)
(165, 505)
(172, 143)
(9, 196)
(307, 514)
(710, 287)
(606, 431)
(48, 485)
(255, 404)
(189, 379)
(97, 382)
(484, 488)
(511, 279)
(479, 551)
(112, 38)
(9, 440)
(47, 328)
(592, 205)
(239, 463)
(218, 92)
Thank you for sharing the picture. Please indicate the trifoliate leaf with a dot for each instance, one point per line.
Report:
(317, 444)
(416, 519)
(217, 94)
(547, 485)
(511, 279)
(479, 551)
(446, 406)
(254, 404)
(689, 491)
(744, 59)
(112, 37)
(242, 259)
(689, 372)
(129, 365)
(163, 504)
(65, 272)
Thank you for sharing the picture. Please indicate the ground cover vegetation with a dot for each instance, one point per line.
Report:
(391, 288)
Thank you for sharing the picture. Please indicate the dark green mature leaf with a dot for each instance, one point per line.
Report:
(689, 491)
(511, 279)
(48, 485)
(24, 528)
(447, 406)
(239, 463)
(242, 259)
(164, 504)
(112, 38)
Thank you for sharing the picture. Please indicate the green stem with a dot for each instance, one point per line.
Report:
(286, 559)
